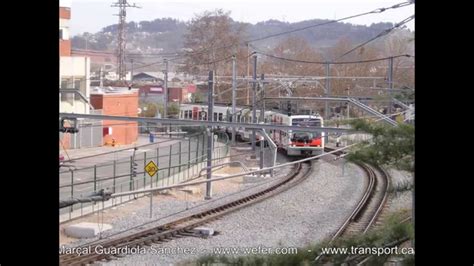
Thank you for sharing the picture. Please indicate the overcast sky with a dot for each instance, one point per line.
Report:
(93, 15)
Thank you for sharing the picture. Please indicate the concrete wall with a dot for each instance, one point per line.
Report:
(74, 66)
(76, 106)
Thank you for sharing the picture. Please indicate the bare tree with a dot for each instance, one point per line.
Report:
(294, 48)
(207, 34)
(398, 43)
(212, 38)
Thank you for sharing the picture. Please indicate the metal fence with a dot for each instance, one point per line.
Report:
(176, 163)
(90, 133)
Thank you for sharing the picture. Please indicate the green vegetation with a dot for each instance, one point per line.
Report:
(405, 95)
(173, 109)
(197, 97)
(151, 109)
(390, 146)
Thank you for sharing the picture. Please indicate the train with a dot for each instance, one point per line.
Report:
(292, 143)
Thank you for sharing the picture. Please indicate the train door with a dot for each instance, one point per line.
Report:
(195, 113)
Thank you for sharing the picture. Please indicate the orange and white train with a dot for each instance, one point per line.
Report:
(292, 142)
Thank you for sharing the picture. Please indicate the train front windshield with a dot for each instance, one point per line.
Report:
(306, 122)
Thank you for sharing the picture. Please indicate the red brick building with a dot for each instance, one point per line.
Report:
(179, 92)
(120, 102)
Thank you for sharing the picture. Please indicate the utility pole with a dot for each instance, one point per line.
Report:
(131, 71)
(248, 73)
(210, 115)
(328, 91)
(100, 78)
(254, 95)
(165, 109)
(390, 83)
(122, 5)
(262, 118)
(233, 97)
(262, 97)
(133, 170)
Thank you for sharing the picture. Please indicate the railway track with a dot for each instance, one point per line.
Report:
(370, 205)
(182, 227)
(360, 259)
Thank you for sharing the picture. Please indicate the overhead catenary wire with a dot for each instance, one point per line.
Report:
(99, 52)
(375, 11)
(332, 63)
(161, 62)
(378, 10)
(383, 33)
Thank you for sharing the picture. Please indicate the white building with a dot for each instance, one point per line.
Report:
(74, 71)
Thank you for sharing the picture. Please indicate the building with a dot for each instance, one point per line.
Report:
(152, 93)
(74, 71)
(177, 92)
(119, 101)
(64, 41)
(74, 89)
(159, 77)
(148, 77)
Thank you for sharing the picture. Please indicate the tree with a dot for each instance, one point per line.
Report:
(197, 97)
(390, 146)
(173, 109)
(207, 32)
(151, 110)
(398, 43)
(296, 48)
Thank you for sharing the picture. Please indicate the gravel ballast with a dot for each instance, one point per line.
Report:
(305, 214)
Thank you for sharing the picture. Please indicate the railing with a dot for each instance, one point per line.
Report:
(178, 162)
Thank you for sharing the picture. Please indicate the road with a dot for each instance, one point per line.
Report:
(118, 165)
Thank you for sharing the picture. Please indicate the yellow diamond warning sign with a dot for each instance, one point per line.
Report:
(151, 168)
